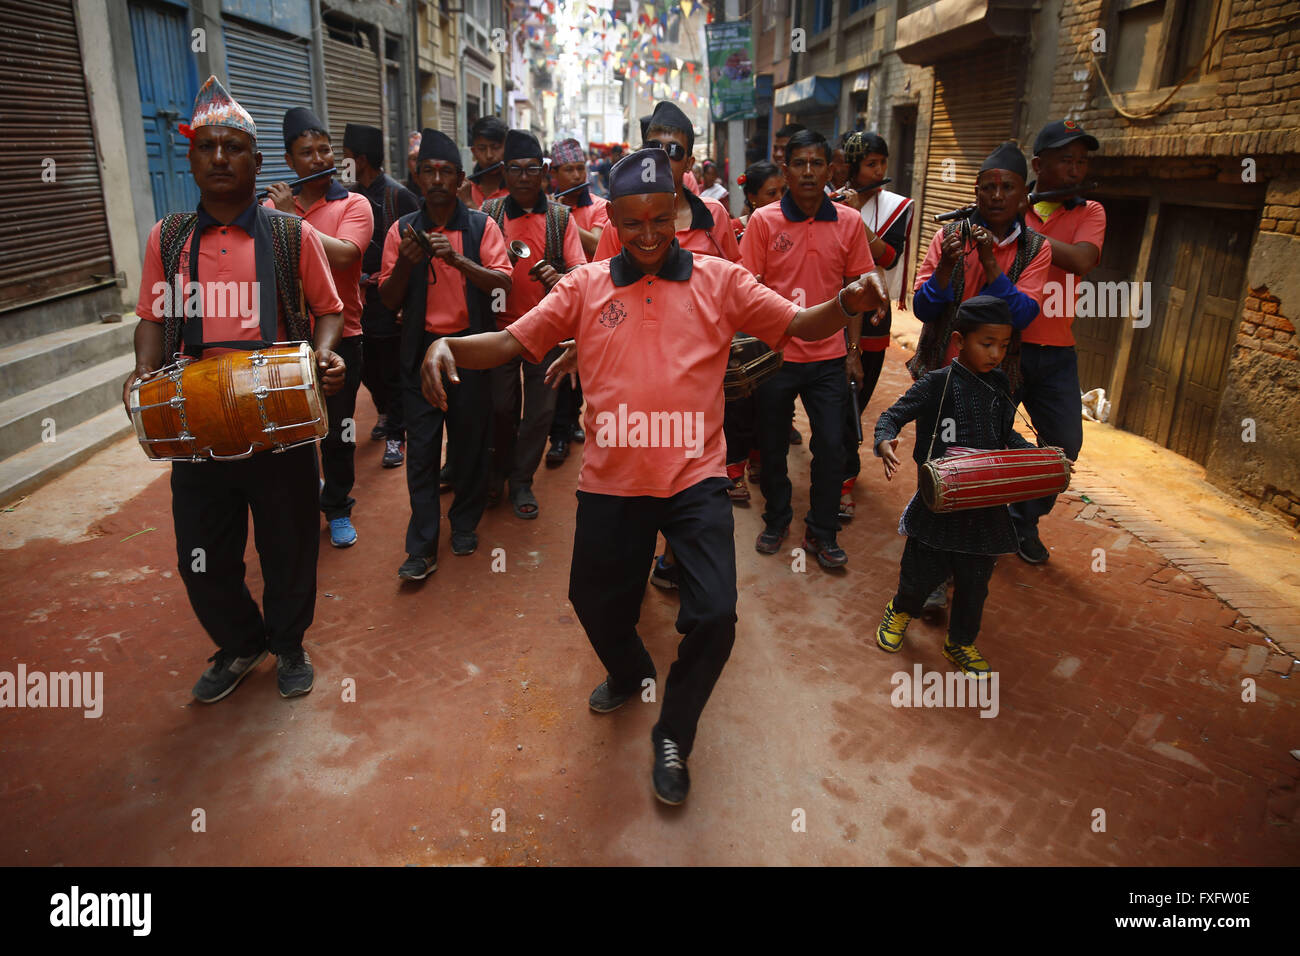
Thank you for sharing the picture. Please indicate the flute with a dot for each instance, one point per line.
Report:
(484, 172)
(835, 197)
(1066, 193)
(571, 189)
(301, 182)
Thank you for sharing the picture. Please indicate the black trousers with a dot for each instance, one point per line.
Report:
(1049, 391)
(468, 422)
(740, 428)
(518, 443)
(613, 547)
(211, 501)
(872, 362)
(382, 376)
(338, 456)
(825, 391)
(924, 568)
(568, 408)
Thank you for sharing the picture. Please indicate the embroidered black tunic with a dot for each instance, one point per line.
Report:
(980, 407)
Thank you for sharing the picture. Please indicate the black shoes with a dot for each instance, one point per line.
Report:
(380, 431)
(464, 542)
(671, 779)
(416, 568)
(603, 700)
(392, 453)
(224, 675)
(829, 554)
(294, 673)
(558, 453)
(769, 542)
(1033, 550)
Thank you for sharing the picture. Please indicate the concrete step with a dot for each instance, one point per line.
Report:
(68, 400)
(35, 362)
(28, 469)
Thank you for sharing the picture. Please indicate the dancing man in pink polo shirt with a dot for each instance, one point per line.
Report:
(653, 329)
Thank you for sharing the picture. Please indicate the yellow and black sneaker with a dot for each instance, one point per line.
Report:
(966, 657)
(889, 635)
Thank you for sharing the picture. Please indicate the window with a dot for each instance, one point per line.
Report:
(856, 5)
(1156, 42)
(821, 16)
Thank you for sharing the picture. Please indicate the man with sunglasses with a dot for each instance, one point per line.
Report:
(703, 225)
(523, 416)
(444, 294)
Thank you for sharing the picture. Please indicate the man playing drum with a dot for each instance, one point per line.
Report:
(653, 329)
(234, 243)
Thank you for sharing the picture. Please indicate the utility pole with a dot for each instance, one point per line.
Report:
(735, 138)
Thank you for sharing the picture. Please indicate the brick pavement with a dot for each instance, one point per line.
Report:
(1120, 691)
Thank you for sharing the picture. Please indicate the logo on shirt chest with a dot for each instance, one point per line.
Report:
(783, 243)
(613, 314)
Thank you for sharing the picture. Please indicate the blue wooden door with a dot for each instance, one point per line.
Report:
(168, 79)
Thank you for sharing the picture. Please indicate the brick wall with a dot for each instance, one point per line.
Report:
(1249, 104)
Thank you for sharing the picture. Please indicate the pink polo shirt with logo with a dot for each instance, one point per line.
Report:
(807, 259)
(653, 345)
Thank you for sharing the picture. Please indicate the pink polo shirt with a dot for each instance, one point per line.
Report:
(594, 215)
(445, 309)
(807, 260)
(347, 216)
(226, 258)
(1083, 223)
(526, 291)
(652, 351)
(709, 233)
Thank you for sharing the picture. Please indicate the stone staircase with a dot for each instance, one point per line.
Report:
(61, 401)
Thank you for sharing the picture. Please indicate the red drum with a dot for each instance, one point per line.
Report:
(970, 478)
(231, 405)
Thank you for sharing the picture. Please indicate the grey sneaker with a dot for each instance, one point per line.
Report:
(294, 673)
(224, 675)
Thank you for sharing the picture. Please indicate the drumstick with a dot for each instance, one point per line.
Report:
(857, 408)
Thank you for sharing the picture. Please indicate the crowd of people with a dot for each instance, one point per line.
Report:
(542, 296)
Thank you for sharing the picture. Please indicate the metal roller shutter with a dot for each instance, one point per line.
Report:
(352, 90)
(447, 119)
(270, 73)
(53, 235)
(976, 107)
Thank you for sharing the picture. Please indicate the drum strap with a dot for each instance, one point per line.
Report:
(938, 415)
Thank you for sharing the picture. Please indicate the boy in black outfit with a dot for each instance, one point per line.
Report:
(967, 404)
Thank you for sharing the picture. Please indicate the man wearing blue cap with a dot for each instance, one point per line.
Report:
(653, 328)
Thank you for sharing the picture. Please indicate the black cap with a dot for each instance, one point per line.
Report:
(1009, 157)
(1062, 133)
(645, 126)
(367, 141)
(645, 171)
(297, 121)
(983, 310)
(669, 116)
(521, 144)
(438, 146)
